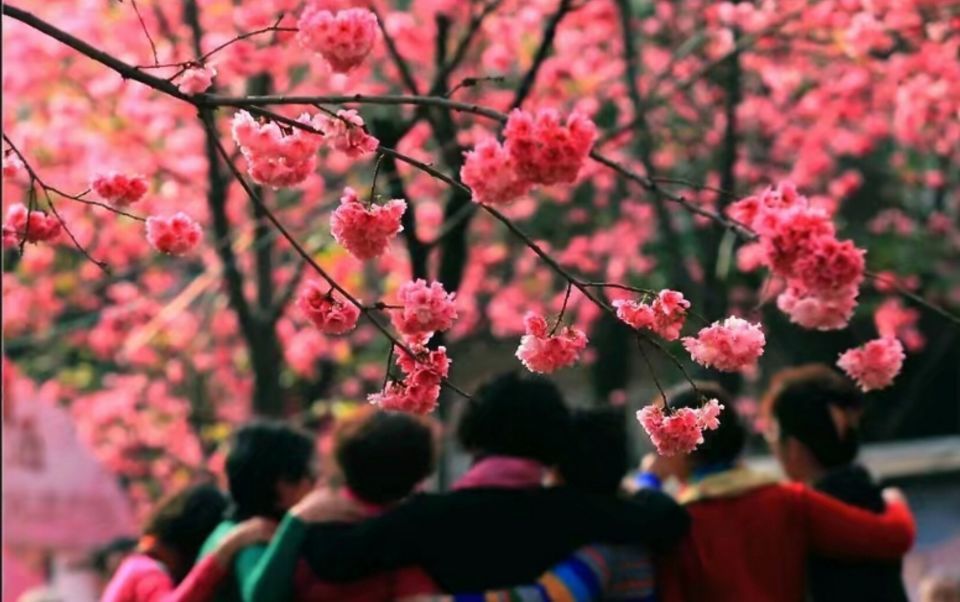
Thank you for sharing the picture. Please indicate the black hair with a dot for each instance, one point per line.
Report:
(100, 557)
(385, 455)
(183, 521)
(513, 415)
(598, 452)
(262, 454)
(800, 400)
(723, 444)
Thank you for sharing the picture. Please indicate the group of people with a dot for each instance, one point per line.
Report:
(545, 512)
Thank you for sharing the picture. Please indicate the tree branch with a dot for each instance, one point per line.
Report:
(549, 33)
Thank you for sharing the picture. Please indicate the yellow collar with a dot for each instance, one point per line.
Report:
(729, 483)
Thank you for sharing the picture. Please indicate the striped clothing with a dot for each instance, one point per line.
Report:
(599, 572)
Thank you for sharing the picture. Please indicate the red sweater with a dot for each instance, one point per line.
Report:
(752, 545)
(141, 578)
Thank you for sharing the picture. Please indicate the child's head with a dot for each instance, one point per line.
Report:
(812, 413)
(721, 446)
(519, 416)
(383, 455)
(597, 452)
(270, 467)
(180, 524)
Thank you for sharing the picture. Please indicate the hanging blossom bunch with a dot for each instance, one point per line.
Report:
(173, 235)
(491, 173)
(729, 346)
(197, 79)
(545, 352)
(38, 227)
(798, 243)
(346, 133)
(328, 314)
(875, 364)
(366, 231)
(680, 431)
(419, 389)
(426, 309)
(12, 166)
(344, 40)
(275, 158)
(119, 189)
(665, 316)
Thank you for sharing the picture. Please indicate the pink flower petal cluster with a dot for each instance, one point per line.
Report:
(729, 346)
(680, 431)
(38, 227)
(174, 235)
(419, 390)
(665, 316)
(119, 189)
(545, 150)
(892, 319)
(12, 166)
(275, 158)
(426, 309)
(542, 352)
(798, 243)
(197, 79)
(346, 133)
(344, 39)
(492, 175)
(875, 364)
(366, 231)
(328, 314)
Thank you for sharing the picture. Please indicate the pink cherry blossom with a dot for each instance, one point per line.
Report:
(344, 39)
(328, 314)
(811, 310)
(346, 133)
(12, 166)
(665, 316)
(875, 364)
(419, 390)
(174, 235)
(680, 431)
(830, 265)
(543, 352)
(544, 149)
(275, 158)
(892, 319)
(729, 346)
(39, 227)
(197, 79)
(492, 175)
(119, 189)
(426, 309)
(366, 231)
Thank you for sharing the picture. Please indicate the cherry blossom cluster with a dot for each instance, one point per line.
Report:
(728, 346)
(275, 158)
(197, 79)
(173, 235)
(798, 243)
(329, 314)
(119, 189)
(538, 148)
(419, 389)
(346, 133)
(665, 316)
(426, 309)
(12, 166)
(38, 227)
(875, 364)
(680, 431)
(543, 351)
(366, 231)
(343, 39)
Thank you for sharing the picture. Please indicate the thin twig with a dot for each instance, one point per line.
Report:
(653, 371)
(563, 308)
(146, 32)
(913, 296)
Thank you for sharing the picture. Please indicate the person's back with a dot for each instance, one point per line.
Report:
(813, 412)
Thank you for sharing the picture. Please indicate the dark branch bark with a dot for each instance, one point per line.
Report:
(549, 33)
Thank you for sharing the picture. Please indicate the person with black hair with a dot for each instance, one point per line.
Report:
(750, 535)
(812, 413)
(270, 467)
(500, 526)
(381, 457)
(169, 547)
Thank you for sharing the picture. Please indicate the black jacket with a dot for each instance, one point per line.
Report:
(477, 539)
(831, 580)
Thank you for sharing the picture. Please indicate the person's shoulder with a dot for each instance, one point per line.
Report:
(215, 536)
